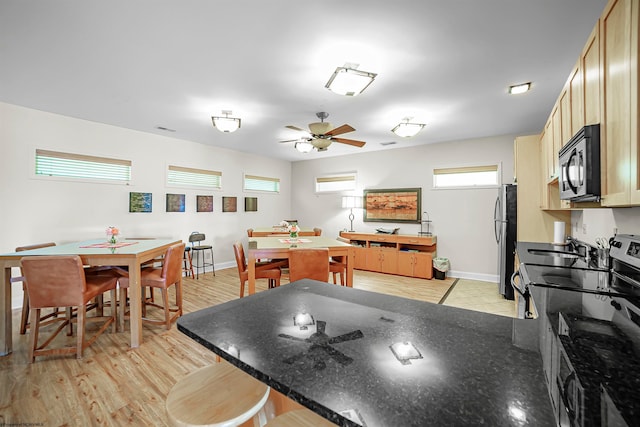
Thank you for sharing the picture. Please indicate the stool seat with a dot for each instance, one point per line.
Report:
(216, 395)
(299, 418)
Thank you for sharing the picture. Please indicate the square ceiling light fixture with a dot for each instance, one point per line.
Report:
(406, 129)
(521, 88)
(226, 124)
(349, 81)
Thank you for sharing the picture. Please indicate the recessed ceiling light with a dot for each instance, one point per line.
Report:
(521, 88)
(349, 81)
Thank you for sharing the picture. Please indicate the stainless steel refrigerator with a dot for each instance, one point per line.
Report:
(504, 220)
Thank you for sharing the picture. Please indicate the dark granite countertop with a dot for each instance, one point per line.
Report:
(343, 368)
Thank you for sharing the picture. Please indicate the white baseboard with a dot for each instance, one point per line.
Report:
(473, 276)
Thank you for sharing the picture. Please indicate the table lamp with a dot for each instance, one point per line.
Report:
(350, 202)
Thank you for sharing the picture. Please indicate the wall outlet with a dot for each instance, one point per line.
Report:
(584, 228)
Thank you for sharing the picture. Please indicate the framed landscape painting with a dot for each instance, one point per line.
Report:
(392, 205)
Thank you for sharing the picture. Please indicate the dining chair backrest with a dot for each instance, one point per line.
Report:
(241, 259)
(196, 237)
(309, 264)
(172, 265)
(317, 231)
(54, 281)
(250, 232)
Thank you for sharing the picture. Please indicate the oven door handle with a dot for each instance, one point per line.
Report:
(625, 278)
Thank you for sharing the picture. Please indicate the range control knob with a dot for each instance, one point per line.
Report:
(616, 244)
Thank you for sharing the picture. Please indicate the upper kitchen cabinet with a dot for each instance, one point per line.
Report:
(590, 64)
(619, 103)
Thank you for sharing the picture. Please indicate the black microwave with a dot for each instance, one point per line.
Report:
(579, 177)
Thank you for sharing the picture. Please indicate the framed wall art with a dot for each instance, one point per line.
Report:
(175, 202)
(392, 205)
(251, 204)
(229, 204)
(204, 203)
(140, 202)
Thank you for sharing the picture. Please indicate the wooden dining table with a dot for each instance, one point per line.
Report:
(278, 231)
(278, 247)
(128, 253)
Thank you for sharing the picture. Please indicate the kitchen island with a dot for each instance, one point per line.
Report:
(362, 358)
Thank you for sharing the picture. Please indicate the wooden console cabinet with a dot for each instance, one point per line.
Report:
(400, 254)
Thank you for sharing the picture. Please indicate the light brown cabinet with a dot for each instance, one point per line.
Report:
(394, 253)
(619, 127)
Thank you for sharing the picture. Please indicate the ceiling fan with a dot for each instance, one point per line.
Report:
(322, 134)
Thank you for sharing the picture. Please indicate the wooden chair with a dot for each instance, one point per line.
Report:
(337, 264)
(309, 264)
(170, 274)
(250, 232)
(264, 270)
(60, 281)
(299, 418)
(317, 231)
(217, 395)
(24, 319)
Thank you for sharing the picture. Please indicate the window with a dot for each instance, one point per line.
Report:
(466, 177)
(178, 176)
(337, 182)
(261, 183)
(78, 166)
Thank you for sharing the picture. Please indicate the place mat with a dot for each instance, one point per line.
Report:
(109, 245)
(294, 240)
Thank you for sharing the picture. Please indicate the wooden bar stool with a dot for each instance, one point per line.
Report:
(216, 395)
(299, 418)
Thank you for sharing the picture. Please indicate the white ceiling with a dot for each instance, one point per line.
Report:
(141, 64)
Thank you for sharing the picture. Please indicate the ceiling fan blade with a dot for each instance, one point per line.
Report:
(349, 141)
(290, 140)
(296, 128)
(340, 130)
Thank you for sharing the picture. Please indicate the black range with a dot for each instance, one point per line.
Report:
(588, 328)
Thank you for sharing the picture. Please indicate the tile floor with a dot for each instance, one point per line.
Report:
(479, 296)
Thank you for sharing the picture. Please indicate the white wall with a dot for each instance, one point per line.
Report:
(462, 219)
(35, 210)
(589, 224)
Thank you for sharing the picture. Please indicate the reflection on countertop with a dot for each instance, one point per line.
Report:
(362, 358)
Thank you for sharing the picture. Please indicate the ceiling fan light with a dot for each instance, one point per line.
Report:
(407, 130)
(303, 146)
(226, 124)
(349, 81)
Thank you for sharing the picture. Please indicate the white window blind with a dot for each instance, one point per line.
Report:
(178, 176)
(261, 183)
(334, 183)
(466, 176)
(58, 164)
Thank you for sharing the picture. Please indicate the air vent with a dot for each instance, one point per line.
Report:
(165, 129)
(388, 143)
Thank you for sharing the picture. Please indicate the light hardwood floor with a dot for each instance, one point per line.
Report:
(114, 385)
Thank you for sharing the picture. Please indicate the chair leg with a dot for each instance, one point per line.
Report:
(179, 297)
(122, 306)
(114, 311)
(82, 318)
(24, 320)
(165, 303)
(241, 289)
(35, 328)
